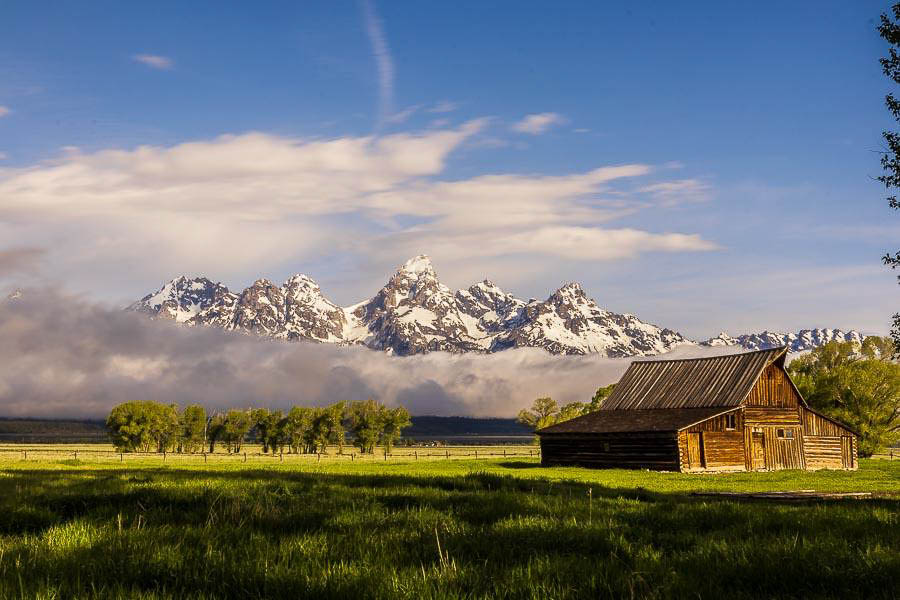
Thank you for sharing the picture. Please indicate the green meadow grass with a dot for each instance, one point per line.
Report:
(436, 529)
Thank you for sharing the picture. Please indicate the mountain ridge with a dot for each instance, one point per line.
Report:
(414, 313)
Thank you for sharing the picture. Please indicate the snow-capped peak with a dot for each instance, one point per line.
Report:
(418, 264)
(414, 313)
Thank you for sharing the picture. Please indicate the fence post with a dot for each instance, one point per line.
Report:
(385, 454)
(164, 456)
(318, 457)
(448, 455)
(530, 452)
(281, 456)
(121, 457)
(416, 452)
(204, 458)
(351, 457)
(245, 457)
(504, 453)
(476, 453)
(76, 455)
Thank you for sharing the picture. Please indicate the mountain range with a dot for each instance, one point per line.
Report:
(415, 313)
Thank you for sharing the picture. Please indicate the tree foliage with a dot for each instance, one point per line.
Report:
(545, 412)
(857, 384)
(372, 423)
(152, 426)
(889, 29)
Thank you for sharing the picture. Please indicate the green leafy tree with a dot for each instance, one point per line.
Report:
(542, 413)
(889, 29)
(570, 411)
(237, 424)
(296, 428)
(215, 430)
(395, 421)
(143, 426)
(129, 426)
(269, 425)
(600, 395)
(856, 384)
(192, 428)
(366, 422)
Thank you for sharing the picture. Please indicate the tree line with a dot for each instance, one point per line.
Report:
(148, 426)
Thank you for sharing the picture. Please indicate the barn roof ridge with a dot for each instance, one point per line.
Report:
(706, 382)
(773, 350)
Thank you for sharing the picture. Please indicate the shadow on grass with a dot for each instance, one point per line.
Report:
(494, 525)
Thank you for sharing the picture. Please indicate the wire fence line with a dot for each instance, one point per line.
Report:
(85, 454)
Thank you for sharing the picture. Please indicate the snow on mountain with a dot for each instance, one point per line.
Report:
(805, 339)
(415, 313)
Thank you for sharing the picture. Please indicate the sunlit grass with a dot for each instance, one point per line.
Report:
(435, 529)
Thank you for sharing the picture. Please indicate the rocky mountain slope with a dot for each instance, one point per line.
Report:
(415, 313)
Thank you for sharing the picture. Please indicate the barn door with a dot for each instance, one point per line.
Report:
(757, 451)
(694, 451)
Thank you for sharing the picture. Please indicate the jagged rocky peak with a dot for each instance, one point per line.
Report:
(805, 339)
(181, 299)
(415, 313)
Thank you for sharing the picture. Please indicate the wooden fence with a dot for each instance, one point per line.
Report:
(484, 453)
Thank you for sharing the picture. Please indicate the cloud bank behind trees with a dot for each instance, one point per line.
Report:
(64, 356)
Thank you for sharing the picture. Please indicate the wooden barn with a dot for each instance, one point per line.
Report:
(724, 413)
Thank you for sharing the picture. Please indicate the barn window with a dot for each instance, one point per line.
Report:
(729, 422)
(784, 434)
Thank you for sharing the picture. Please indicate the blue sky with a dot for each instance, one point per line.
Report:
(747, 138)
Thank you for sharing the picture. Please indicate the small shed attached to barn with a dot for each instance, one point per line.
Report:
(737, 412)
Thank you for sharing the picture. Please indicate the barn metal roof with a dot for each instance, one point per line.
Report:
(717, 381)
(621, 421)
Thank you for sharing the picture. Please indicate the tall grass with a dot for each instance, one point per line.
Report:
(460, 529)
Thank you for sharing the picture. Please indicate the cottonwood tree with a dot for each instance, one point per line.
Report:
(395, 421)
(600, 395)
(890, 159)
(542, 413)
(366, 422)
(192, 428)
(857, 384)
(237, 424)
(296, 429)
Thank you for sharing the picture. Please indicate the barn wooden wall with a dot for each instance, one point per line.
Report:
(650, 450)
(826, 444)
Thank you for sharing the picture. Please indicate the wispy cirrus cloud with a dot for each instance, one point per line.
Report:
(154, 61)
(383, 60)
(444, 106)
(537, 124)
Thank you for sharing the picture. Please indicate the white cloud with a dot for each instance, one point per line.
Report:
(538, 123)
(3, 156)
(154, 61)
(238, 205)
(444, 106)
(4, 111)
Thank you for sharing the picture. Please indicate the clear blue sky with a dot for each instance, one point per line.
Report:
(757, 126)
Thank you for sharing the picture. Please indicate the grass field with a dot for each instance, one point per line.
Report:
(461, 528)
